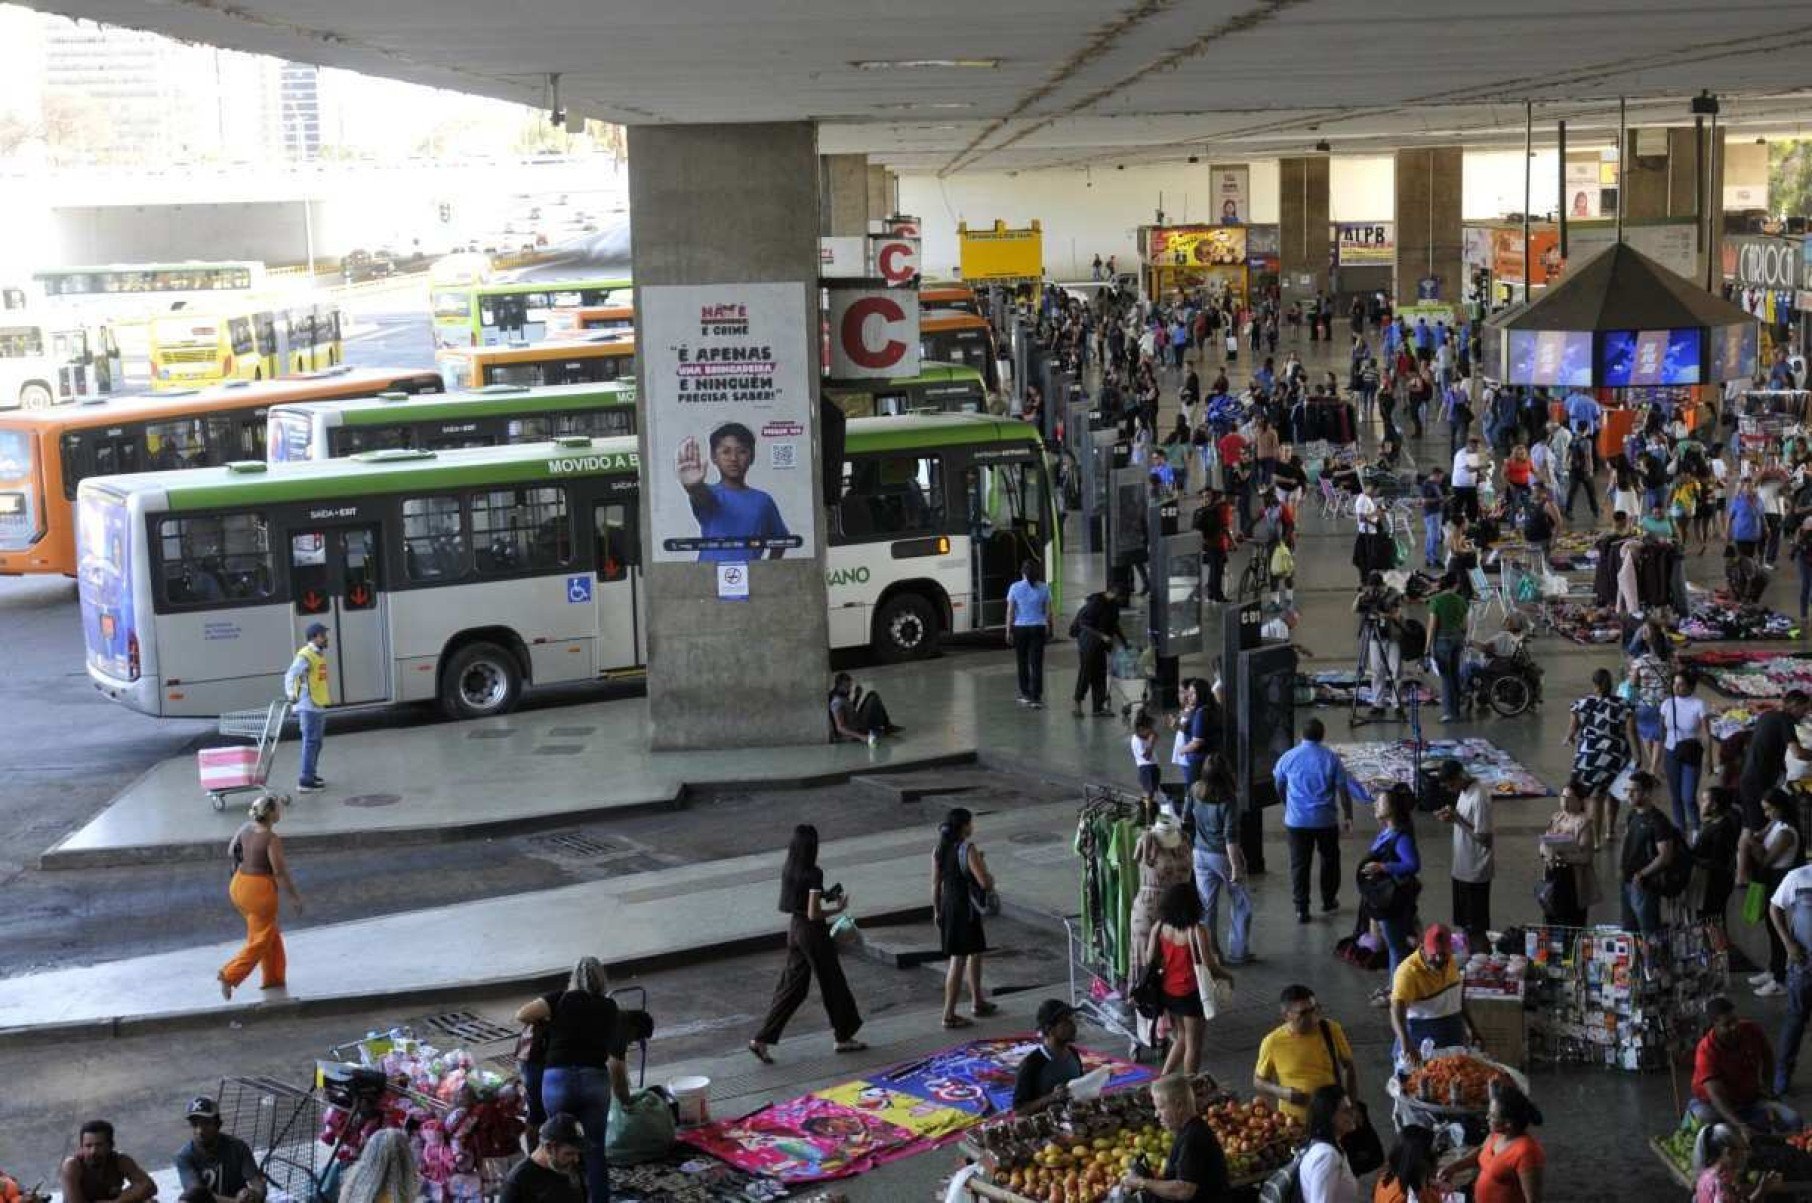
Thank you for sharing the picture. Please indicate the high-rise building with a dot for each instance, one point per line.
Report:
(299, 104)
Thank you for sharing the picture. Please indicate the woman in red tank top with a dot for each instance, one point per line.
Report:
(1180, 942)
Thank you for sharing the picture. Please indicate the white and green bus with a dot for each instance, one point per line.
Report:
(938, 388)
(493, 416)
(464, 576)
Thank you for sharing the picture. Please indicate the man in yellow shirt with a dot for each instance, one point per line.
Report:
(1425, 997)
(305, 684)
(1302, 1054)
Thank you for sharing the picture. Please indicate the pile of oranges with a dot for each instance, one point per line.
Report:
(1083, 1170)
(1253, 1135)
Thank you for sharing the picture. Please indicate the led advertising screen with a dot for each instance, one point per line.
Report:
(1734, 353)
(1560, 358)
(1641, 358)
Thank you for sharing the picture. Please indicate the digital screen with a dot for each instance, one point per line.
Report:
(1734, 352)
(1551, 357)
(1132, 515)
(1638, 358)
(1183, 602)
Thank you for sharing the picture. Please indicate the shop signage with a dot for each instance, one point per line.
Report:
(1232, 193)
(730, 410)
(874, 330)
(895, 259)
(1196, 246)
(1507, 255)
(1001, 253)
(1759, 262)
(1475, 247)
(1365, 243)
(1582, 193)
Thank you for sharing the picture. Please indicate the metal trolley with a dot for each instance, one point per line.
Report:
(235, 770)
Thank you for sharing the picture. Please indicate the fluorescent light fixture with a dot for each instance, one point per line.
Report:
(909, 64)
(908, 106)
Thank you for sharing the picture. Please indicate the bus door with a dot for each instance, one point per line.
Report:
(622, 608)
(506, 320)
(1005, 529)
(337, 579)
(75, 372)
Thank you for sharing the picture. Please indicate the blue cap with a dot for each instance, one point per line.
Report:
(315, 628)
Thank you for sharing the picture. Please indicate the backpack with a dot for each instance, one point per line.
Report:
(1285, 1184)
(1673, 877)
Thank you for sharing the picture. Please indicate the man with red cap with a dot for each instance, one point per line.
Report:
(1425, 997)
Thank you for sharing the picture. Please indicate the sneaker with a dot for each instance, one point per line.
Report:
(1023, 700)
(873, 739)
(1036, 705)
(1380, 997)
(1760, 979)
(1770, 989)
(311, 787)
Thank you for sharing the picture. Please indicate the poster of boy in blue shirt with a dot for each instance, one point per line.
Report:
(736, 521)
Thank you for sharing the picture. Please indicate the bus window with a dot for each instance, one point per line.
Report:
(527, 375)
(250, 439)
(19, 342)
(529, 430)
(267, 333)
(239, 329)
(116, 451)
(352, 440)
(434, 539)
(894, 495)
(619, 548)
(597, 423)
(520, 530)
(177, 444)
(214, 558)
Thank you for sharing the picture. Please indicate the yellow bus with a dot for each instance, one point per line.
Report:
(594, 359)
(193, 350)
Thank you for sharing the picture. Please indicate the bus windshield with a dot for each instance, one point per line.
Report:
(21, 342)
(18, 501)
(287, 440)
(102, 583)
(452, 302)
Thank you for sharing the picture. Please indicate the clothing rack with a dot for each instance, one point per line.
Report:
(1107, 828)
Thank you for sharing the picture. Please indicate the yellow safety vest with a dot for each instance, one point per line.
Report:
(317, 675)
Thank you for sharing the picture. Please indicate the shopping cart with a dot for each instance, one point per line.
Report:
(240, 769)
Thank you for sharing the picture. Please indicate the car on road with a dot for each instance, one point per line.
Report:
(361, 265)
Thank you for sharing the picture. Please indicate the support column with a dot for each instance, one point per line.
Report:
(879, 202)
(1429, 242)
(1668, 186)
(843, 195)
(1305, 241)
(730, 205)
(1645, 186)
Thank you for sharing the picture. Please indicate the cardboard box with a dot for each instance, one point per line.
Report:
(1502, 1028)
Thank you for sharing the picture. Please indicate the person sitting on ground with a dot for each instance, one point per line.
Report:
(1047, 1071)
(857, 716)
(1733, 1074)
(1722, 1180)
(551, 1174)
(96, 1173)
(222, 1166)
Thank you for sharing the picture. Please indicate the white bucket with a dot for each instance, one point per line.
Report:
(693, 1097)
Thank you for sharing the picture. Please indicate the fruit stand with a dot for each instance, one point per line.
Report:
(1452, 1086)
(1789, 1156)
(1079, 1152)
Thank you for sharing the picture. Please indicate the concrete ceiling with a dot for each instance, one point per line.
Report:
(1077, 81)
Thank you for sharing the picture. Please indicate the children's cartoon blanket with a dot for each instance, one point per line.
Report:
(1377, 766)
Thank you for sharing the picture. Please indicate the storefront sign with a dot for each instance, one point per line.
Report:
(1263, 247)
(1544, 256)
(1746, 196)
(1475, 247)
(1232, 193)
(895, 258)
(1582, 194)
(874, 330)
(1365, 243)
(1760, 262)
(1196, 246)
(729, 413)
(1001, 253)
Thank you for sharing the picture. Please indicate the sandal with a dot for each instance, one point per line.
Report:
(850, 1046)
(226, 988)
(959, 1021)
(759, 1051)
(983, 1010)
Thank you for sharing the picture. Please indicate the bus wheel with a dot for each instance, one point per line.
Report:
(35, 395)
(480, 680)
(906, 628)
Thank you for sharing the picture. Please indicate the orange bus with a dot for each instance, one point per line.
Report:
(564, 323)
(45, 453)
(961, 338)
(594, 358)
(942, 297)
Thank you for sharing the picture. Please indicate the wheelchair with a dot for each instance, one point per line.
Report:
(1507, 685)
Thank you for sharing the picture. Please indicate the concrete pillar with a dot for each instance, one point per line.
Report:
(879, 195)
(730, 205)
(1305, 241)
(1665, 186)
(892, 195)
(1645, 188)
(843, 195)
(1429, 242)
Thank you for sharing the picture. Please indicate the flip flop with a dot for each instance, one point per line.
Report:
(959, 1021)
(759, 1052)
(986, 1009)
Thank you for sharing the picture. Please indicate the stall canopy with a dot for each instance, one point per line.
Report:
(1621, 320)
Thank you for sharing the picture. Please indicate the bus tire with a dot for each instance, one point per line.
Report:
(479, 681)
(36, 395)
(906, 628)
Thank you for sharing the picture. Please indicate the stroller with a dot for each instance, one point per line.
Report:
(1508, 685)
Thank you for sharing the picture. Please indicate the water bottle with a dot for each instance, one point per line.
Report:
(1427, 1047)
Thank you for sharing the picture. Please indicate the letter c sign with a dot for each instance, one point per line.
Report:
(853, 334)
(874, 332)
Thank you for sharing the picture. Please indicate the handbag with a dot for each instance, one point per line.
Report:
(1147, 993)
(984, 900)
(1755, 902)
(1363, 1148)
(1215, 994)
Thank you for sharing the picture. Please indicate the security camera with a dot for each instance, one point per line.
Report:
(557, 118)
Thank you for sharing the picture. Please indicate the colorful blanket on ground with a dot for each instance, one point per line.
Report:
(1378, 766)
(685, 1176)
(1718, 619)
(1753, 674)
(1586, 624)
(889, 1114)
(1335, 688)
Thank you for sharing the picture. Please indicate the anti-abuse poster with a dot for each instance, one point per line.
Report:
(728, 409)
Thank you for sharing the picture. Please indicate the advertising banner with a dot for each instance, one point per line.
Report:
(1507, 255)
(874, 330)
(1365, 243)
(1582, 195)
(1196, 246)
(1232, 193)
(729, 412)
(1001, 253)
(1762, 262)
(1475, 247)
(895, 257)
(1263, 245)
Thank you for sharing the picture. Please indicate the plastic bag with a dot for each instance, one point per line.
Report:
(641, 1130)
(844, 930)
(1123, 664)
(1755, 902)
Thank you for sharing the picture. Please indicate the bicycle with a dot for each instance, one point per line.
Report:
(1256, 580)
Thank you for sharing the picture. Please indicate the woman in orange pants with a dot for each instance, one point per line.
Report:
(258, 868)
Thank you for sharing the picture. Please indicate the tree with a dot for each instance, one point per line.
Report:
(1790, 177)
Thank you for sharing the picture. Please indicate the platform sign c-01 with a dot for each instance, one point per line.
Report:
(1176, 585)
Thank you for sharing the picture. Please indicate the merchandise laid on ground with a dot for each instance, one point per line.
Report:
(1377, 765)
(1755, 675)
(1336, 687)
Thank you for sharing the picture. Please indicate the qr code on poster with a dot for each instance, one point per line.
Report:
(783, 455)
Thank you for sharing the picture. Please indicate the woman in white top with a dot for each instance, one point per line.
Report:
(1686, 732)
(1765, 857)
(1324, 1175)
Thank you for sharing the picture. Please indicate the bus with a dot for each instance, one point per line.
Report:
(461, 577)
(961, 338)
(487, 314)
(938, 388)
(563, 323)
(45, 454)
(45, 362)
(154, 285)
(592, 359)
(197, 348)
(944, 297)
(488, 417)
